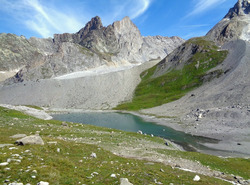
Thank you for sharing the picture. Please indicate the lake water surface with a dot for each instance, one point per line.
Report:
(132, 123)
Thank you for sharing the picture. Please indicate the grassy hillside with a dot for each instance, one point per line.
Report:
(76, 142)
(155, 90)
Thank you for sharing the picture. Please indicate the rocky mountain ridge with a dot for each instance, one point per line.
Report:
(232, 32)
(119, 44)
(235, 25)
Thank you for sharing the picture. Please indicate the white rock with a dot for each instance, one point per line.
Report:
(113, 175)
(139, 132)
(196, 178)
(93, 155)
(156, 182)
(18, 160)
(33, 176)
(42, 183)
(15, 183)
(4, 164)
(30, 140)
(12, 148)
(94, 173)
(15, 155)
(58, 150)
(124, 181)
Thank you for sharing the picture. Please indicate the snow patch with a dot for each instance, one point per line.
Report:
(246, 30)
(96, 71)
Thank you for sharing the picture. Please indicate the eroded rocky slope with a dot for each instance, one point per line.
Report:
(94, 91)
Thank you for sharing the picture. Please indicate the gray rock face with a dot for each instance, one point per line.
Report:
(94, 24)
(93, 46)
(30, 140)
(235, 25)
(241, 8)
(16, 52)
(153, 46)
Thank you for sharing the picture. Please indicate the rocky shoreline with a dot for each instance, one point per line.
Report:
(227, 146)
(233, 140)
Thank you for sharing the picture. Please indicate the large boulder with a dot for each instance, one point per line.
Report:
(30, 140)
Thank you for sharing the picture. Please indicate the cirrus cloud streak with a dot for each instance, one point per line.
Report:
(45, 19)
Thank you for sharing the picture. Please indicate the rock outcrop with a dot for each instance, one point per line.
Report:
(119, 44)
(16, 52)
(30, 140)
(235, 25)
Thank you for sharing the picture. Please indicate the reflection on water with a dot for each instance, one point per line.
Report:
(132, 123)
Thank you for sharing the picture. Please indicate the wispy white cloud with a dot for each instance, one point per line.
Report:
(131, 8)
(45, 19)
(204, 5)
(42, 19)
(142, 6)
(195, 26)
(198, 33)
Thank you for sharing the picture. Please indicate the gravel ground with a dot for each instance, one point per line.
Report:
(96, 91)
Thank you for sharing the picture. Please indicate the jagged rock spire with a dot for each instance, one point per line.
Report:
(94, 24)
(241, 8)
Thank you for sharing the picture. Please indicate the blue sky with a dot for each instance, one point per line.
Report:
(43, 18)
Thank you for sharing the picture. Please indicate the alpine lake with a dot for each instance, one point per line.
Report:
(131, 123)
